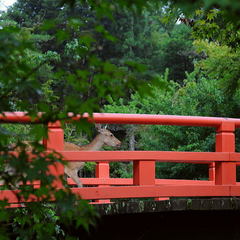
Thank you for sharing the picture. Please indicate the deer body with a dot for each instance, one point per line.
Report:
(105, 137)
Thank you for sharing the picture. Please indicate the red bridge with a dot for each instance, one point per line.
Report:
(222, 163)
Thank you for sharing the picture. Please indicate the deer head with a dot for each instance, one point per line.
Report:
(107, 137)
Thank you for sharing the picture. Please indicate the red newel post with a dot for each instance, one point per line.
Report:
(102, 171)
(144, 172)
(55, 142)
(225, 172)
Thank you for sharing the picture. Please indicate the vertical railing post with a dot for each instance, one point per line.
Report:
(144, 172)
(55, 142)
(211, 172)
(225, 172)
(102, 171)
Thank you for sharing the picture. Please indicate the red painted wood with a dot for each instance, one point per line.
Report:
(55, 141)
(211, 171)
(129, 181)
(144, 172)
(225, 172)
(235, 190)
(121, 118)
(157, 191)
(234, 157)
(163, 156)
(142, 192)
(222, 162)
(11, 195)
(20, 117)
(102, 171)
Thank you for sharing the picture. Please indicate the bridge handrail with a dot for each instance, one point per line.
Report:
(222, 163)
(124, 118)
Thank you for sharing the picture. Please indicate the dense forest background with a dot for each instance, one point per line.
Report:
(146, 57)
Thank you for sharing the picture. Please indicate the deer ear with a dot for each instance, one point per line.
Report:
(98, 126)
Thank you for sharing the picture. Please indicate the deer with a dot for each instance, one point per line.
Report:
(104, 137)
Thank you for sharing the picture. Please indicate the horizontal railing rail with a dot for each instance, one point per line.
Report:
(160, 156)
(123, 118)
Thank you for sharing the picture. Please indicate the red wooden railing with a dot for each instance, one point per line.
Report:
(222, 163)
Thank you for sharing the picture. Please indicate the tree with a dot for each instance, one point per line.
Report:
(163, 43)
(75, 65)
(152, 39)
(25, 87)
(79, 69)
(203, 94)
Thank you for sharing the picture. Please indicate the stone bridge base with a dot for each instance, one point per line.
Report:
(187, 219)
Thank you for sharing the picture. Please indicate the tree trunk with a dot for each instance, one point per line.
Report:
(131, 135)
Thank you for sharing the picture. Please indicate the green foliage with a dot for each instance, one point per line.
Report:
(222, 65)
(217, 22)
(231, 7)
(50, 61)
(176, 52)
(56, 59)
(203, 94)
(215, 25)
(121, 170)
(71, 69)
(45, 220)
(148, 39)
